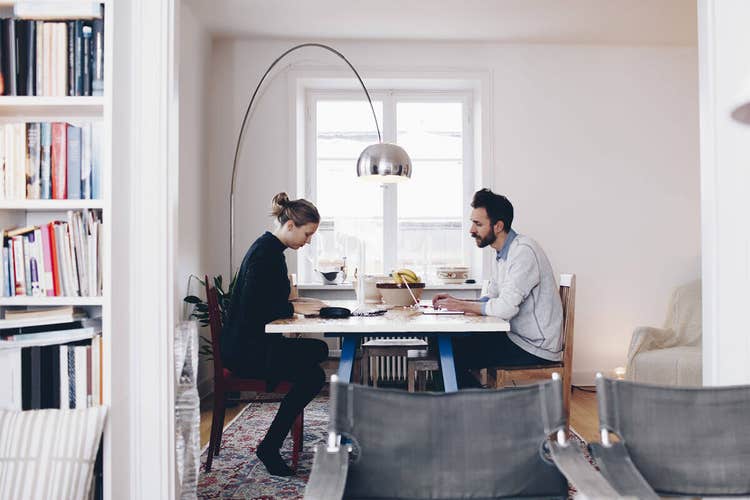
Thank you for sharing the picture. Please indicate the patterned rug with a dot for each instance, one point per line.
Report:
(238, 474)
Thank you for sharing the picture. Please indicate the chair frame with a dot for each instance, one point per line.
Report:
(330, 468)
(501, 376)
(225, 382)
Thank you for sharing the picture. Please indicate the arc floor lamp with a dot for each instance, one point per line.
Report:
(382, 162)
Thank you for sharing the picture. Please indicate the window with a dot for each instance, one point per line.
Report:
(419, 223)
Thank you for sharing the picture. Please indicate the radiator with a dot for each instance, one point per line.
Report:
(390, 369)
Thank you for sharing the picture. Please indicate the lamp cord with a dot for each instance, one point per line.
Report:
(244, 122)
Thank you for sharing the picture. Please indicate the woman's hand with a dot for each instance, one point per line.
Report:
(308, 306)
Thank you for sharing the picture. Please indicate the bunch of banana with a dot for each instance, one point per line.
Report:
(407, 275)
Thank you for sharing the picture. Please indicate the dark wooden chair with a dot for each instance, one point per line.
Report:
(225, 381)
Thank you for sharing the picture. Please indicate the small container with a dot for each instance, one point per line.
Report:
(452, 274)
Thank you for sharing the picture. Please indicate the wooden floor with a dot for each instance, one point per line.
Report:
(583, 415)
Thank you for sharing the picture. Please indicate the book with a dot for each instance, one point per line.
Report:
(48, 278)
(45, 180)
(51, 337)
(74, 162)
(97, 71)
(33, 156)
(42, 312)
(59, 159)
(9, 56)
(86, 161)
(10, 379)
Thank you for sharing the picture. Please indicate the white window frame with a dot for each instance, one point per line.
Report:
(390, 97)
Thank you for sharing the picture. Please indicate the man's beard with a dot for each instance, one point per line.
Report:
(487, 240)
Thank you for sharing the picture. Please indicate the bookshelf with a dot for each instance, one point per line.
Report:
(30, 212)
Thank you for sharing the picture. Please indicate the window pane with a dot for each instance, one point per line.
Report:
(430, 205)
(352, 210)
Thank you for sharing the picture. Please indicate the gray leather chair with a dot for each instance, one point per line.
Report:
(467, 444)
(674, 441)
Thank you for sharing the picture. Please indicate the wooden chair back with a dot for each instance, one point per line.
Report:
(506, 375)
(215, 324)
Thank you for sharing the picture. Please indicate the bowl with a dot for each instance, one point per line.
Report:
(452, 274)
(396, 294)
(332, 277)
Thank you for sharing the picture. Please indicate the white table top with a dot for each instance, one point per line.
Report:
(396, 320)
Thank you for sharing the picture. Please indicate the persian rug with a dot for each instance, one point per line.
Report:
(237, 474)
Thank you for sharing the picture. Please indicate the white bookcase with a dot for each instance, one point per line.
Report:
(15, 109)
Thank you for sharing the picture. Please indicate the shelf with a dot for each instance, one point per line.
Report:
(23, 300)
(50, 205)
(68, 106)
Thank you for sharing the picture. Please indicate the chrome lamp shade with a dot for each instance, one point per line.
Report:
(384, 162)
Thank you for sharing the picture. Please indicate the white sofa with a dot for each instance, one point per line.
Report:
(671, 355)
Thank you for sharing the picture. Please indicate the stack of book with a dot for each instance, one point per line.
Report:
(50, 358)
(43, 161)
(61, 258)
(52, 58)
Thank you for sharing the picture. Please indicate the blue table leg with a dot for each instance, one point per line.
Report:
(447, 367)
(348, 349)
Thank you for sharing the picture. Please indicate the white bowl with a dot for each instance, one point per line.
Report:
(452, 274)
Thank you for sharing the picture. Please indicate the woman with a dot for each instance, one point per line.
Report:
(260, 296)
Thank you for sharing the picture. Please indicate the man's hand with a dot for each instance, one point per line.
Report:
(308, 306)
(454, 304)
(439, 297)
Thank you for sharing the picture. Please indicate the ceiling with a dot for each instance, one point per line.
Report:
(620, 22)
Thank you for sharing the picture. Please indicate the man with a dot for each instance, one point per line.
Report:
(522, 290)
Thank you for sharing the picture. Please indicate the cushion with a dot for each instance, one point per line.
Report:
(49, 453)
(670, 366)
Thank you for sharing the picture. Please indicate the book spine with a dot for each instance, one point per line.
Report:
(40, 75)
(6, 278)
(48, 279)
(27, 266)
(40, 264)
(59, 159)
(30, 57)
(36, 377)
(87, 55)
(86, 162)
(21, 55)
(56, 286)
(74, 162)
(10, 43)
(97, 153)
(73, 59)
(80, 368)
(64, 382)
(97, 83)
(34, 289)
(33, 185)
(19, 160)
(45, 151)
(11, 281)
(18, 261)
(71, 376)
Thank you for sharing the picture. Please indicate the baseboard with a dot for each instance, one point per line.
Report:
(585, 378)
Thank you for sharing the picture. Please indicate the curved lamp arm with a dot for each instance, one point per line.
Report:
(244, 122)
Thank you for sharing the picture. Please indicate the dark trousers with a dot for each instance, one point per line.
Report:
(484, 350)
(296, 361)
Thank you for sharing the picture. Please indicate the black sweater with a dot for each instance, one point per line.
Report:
(260, 296)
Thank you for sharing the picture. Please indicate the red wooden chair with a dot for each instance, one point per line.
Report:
(225, 382)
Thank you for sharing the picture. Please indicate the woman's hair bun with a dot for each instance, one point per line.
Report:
(279, 203)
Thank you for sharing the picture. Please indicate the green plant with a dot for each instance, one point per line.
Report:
(200, 307)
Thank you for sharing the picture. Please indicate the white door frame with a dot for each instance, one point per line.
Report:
(144, 221)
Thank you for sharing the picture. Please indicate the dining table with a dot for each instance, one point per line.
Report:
(394, 323)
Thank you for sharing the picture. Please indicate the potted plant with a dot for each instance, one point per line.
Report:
(200, 308)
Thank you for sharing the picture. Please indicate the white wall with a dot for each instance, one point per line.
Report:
(597, 147)
(194, 46)
(725, 182)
